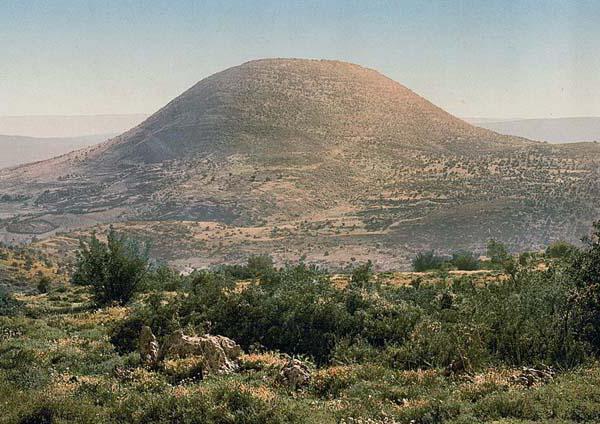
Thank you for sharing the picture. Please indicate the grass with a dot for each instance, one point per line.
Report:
(57, 365)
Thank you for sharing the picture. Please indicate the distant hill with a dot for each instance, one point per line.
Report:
(309, 157)
(557, 130)
(17, 150)
(68, 125)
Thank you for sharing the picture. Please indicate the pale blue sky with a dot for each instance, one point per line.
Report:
(498, 59)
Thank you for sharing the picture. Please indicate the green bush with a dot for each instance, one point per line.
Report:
(44, 283)
(583, 272)
(8, 305)
(497, 252)
(115, 270)
(427, 261)
(560, 249)
(362, 275)
(465, 261)
(257, 266)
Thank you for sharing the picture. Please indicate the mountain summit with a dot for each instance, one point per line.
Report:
(288, 103)
(291, 143)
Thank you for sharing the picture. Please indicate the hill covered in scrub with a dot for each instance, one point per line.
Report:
(324, 154)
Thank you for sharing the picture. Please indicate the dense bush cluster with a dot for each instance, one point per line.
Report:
(527, 317)
(498, 257)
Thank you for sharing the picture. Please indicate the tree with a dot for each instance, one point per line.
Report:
(583, 270)
(560, 249)
(361, 275)
(465, 261)
(259, 266)
(497, 252)
(44, 284)
(8, 305)
(115, 270)
(426, 261)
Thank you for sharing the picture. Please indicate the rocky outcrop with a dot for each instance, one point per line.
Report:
(532, 377)
(219, 354)
(148, 346)
(294, 374)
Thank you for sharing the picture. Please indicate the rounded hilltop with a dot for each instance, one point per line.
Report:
(283, 103)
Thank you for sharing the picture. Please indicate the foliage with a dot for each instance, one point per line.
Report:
(297, 310)
(583, 271)
(362, 275)
(164, 278)
(8, 305)
(560, 249)
(427, 261)
(465, 261)
(115, 270)
(256, 266)
(385, 352)
(497, 252)
(44, 283)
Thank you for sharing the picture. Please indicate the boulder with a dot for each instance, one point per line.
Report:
(294, 374)
(148, 346)
(219, 354)
(532, 377)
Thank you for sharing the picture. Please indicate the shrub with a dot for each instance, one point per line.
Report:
(497, 252)
(465, 261)
(560, 249)
(164, 278)
(362, 274)
(583, 271)
(257, 266)
(43, 284)
(158, 312)
(8, 305)
(427, 261)
(115, 270)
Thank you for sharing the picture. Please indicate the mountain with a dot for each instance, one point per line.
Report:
(17, 150)
(556, 130)
(62, 126)
(310, 157)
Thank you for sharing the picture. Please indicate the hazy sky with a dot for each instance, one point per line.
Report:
(485, 58)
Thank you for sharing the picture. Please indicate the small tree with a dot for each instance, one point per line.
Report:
(427, 261)
(362, 274)
(583, 270)
(115, 270)
(259, 266)
(8, 305)
(44, 284)
(497, 252)
(465, 261)
(560, 249)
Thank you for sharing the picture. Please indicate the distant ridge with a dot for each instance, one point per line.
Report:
(18, 150)
(68, 125)
(553, 130)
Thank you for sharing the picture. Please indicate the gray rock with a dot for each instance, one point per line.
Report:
(294, 374)
(148, 346)
(219, 354)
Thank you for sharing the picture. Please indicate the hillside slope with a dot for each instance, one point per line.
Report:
(333, 152)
